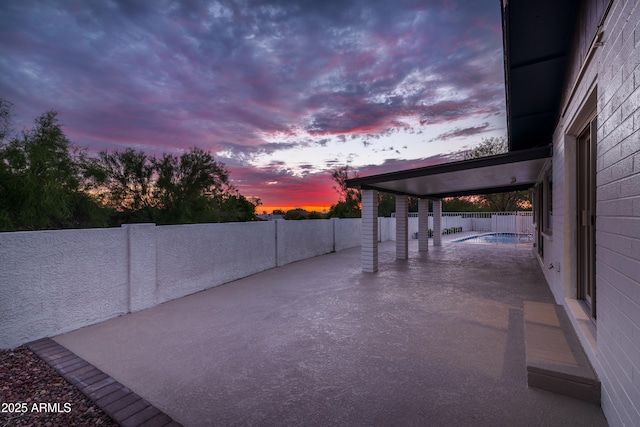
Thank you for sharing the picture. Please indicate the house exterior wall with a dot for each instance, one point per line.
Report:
(618, 221)
(611, 77)
(590, 15)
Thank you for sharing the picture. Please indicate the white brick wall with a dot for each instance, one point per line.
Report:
(423, 224)
(402, 227)
(618, 222)
(615, 69)
(369, 237)
(437, 223)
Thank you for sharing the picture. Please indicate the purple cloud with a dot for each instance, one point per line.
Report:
(251, 78)
(457, 132)
(394, 165)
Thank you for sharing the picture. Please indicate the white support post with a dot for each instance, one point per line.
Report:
(437, 223)
(423, 225)
(369, 239)
(402, 227)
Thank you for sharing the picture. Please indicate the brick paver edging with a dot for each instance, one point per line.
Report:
(120, 403)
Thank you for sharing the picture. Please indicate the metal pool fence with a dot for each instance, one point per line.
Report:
(462, 224)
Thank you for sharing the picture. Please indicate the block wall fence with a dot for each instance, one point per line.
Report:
(52, 282)
(55, 281)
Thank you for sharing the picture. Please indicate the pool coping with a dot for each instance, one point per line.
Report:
(489, 233)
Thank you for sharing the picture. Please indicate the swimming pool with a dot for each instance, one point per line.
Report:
(497, 238)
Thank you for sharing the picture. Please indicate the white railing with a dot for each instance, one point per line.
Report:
(465, 223)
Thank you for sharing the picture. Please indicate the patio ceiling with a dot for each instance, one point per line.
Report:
(512, 171)
(537, 41)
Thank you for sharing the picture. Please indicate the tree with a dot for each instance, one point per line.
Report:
(350, 196)
(123, 181)
(5, 119)
(40, 178)
(5, 127)
(47, 182)
(488, 147)
(316, 215)
(192, 188)
(296, 214)
(349, 204)
(236, 207)
(499, 202)
(350, 199)
(463, 204)
(386, 204)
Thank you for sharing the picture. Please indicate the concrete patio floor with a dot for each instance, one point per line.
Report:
(436, 340)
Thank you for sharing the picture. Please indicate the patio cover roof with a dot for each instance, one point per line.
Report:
(537, 41)
(514, 171)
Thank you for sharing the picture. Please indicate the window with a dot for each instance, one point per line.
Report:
(548, 184)
(535, 199)
(586, 217)
(546, 214)
(537, 219)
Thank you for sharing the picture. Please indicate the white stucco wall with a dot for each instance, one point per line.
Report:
(303, 239)
(195, 257)
(386, 226)
(53, 282)
(346, 233)
(454, 221)
(142, 265)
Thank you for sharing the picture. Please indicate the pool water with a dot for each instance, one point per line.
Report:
(498, 238)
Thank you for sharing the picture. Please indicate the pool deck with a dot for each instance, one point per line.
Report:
(435, 340)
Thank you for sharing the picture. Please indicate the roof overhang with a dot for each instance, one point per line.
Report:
(537, 40)
(512, 171)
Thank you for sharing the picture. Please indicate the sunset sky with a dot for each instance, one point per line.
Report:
(282, 92)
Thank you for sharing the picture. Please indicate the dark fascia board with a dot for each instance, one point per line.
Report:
(387, 190)
(475, 192)
(491, 190)
(500, 159)
(506, 47)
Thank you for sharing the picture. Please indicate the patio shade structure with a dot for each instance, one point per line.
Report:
(513, 171)
(535, 65)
